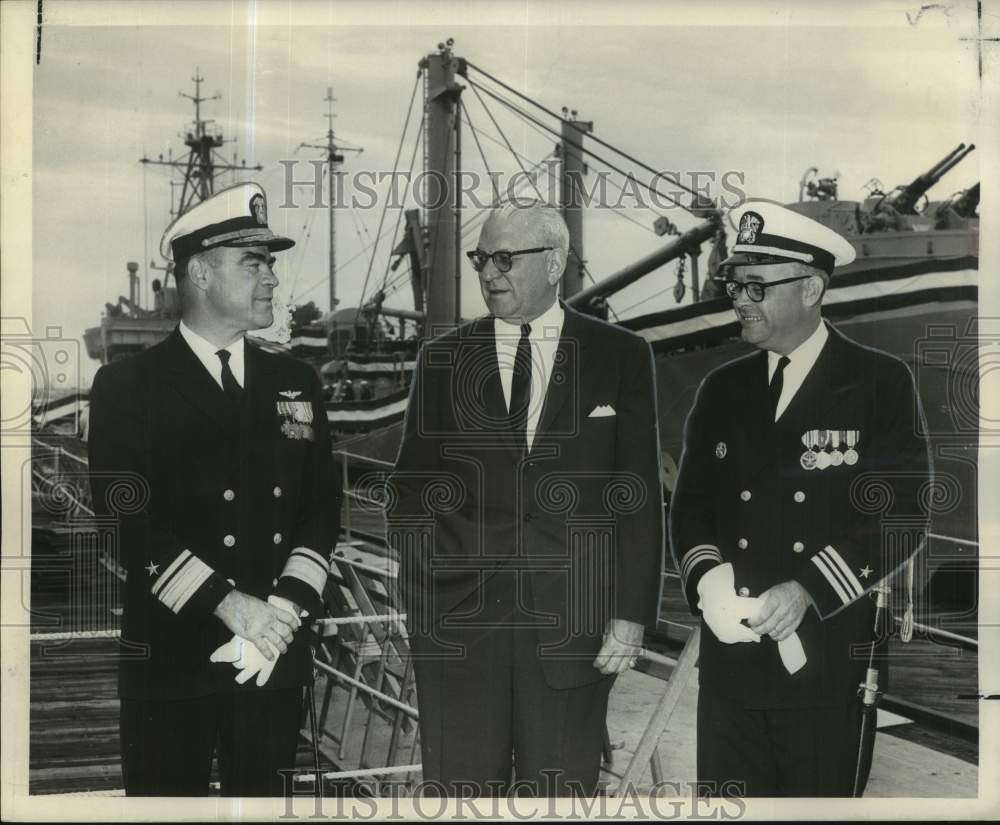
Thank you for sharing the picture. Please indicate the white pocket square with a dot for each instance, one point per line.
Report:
(603, 411)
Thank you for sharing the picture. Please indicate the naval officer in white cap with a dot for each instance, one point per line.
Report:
(777, 524)
(211, 461)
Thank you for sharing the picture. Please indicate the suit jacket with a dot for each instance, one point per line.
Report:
(200, 500)
(745, 495)
(581, 513)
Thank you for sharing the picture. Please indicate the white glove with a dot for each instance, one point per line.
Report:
(722, 609)
(244, 655)
(793, 657)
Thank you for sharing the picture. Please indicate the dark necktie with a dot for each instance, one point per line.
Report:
(777, 382)
(520, 388)
(234, 392)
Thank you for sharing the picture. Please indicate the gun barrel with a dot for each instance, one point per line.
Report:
(906, 198)
(936, 168)
(942, 169)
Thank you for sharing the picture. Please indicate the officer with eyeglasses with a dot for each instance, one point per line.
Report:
(773, 523)
(527, 511)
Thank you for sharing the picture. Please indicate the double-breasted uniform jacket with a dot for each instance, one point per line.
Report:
(202, 500)
(745, 494)
(581, 512)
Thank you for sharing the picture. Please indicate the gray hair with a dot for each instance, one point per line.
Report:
(543, 217)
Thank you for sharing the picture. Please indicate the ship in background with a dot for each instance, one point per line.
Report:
(912, 291)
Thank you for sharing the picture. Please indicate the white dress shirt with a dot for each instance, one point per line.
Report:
(800, 361)
(544, 341)
(205, 350)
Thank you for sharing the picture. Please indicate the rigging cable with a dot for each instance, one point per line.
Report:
(395, 166)
(400, 211)
(574, 252)
(579, 146)
(552, 114)
(479, 146)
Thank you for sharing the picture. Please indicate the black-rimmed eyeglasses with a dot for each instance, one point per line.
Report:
(503, 259)
(755, 289)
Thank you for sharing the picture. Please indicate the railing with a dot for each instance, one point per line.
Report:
(363, 652)
(347, 459)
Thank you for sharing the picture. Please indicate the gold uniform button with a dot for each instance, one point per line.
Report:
(274, 582)
(744, 591)
(277, 538)
(799, 496)
(745, 495)
(229, 540)
(277, 492)
(228, 495)
(743, 544)
(798, 547)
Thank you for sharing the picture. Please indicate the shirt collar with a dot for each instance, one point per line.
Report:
(205, 349)
(548, 325)
(805, 354)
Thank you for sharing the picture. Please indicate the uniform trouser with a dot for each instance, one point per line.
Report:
(491, 703)
(167, 746)
(777, 752)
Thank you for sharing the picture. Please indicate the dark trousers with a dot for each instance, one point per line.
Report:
(489, 704)
(777, 752)
(167, 746)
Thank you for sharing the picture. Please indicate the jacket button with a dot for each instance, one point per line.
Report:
(528, 517)
(277, 492)
(743, 544)
(229, 540)
(228, 495)
(274, 582)
(745, 495)
(277, 538)
(798, 547)
(799, 496)
(233, 583)
(744, 591)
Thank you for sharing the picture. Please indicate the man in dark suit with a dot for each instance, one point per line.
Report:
(527, 514)
(210, 459)
(799, 490)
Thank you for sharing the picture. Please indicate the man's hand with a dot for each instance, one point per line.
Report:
(621, 647)
(781, 611)
(268, 627)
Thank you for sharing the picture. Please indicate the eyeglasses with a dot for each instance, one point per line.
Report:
(503, 259)
(755, 289)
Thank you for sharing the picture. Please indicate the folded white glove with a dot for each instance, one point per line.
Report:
(244, 655)
(247, 660)
(722, 609)
(793, 657)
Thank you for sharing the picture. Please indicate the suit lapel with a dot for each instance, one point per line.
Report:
(759, 432)
(565, 375)
(260, 391)
(827, 384)
(194, 384)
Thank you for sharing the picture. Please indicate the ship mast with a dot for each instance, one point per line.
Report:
(443, 199)
(334, 160)
(574, 167)
(202, 165)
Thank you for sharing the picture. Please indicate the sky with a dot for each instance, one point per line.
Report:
(861, 90)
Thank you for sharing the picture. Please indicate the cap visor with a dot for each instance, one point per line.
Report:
(275, 243)
(755, 259)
